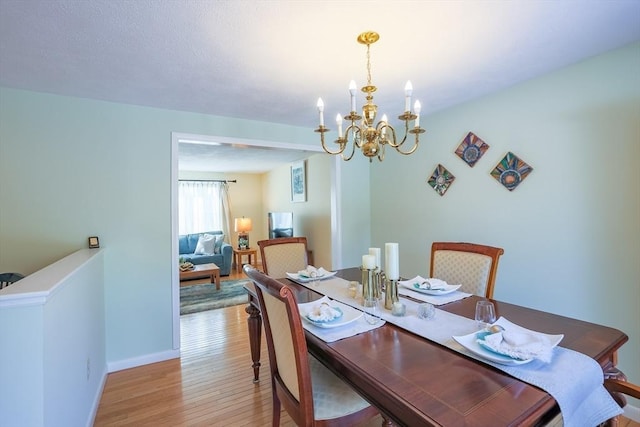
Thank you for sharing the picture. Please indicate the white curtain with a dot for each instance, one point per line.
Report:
(203, 206)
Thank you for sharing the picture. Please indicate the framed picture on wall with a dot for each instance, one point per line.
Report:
(299, 181)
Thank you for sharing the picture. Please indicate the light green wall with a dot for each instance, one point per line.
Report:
(571, 230)
(72, 168)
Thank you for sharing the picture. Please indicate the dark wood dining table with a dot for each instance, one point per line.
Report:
(417, 382)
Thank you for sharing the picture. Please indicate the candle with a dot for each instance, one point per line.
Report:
(376, 253)
(417, 107)
(368, 262)
(320, 110)
(339, 122)
(352, 91)
(385, 122)
(408, 90)
(391, 259)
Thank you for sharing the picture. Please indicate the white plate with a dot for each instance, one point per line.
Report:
(349, 314)
(469, 342)
(298, 278)
(414, 285)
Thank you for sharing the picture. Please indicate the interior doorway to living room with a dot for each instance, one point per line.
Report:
(201, 143)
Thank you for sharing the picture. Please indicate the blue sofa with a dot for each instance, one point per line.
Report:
(187, 246)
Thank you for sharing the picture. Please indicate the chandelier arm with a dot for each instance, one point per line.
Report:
(350, 130)
(415, 144)
(338, 141)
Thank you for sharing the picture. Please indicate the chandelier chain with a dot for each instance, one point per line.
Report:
(369, 64)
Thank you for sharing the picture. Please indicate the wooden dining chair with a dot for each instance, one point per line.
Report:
(471, 265)
(7, 279)
(282, 255)
(619, 389)
(310, 393)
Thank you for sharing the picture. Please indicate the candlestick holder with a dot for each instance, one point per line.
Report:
(378, 281)
(390, 294)
(368, 283)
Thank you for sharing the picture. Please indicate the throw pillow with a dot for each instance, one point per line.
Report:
(218, 245)
(206, 243)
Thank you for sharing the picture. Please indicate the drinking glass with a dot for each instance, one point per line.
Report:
(485, 314)
(353, 289)
(314, 279)
(426, 311)
(371, 310)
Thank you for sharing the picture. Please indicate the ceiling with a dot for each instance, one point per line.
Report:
(271, 60)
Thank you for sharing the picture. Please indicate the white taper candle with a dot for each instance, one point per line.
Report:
(391, 258)
(368, 262)
(376, 253)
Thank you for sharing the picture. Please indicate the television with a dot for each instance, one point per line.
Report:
(280, 224)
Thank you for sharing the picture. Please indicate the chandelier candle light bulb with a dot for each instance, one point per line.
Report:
(408, 91)
(339, 123)
(417, 108)
(321, 111)
(352, 91)
(385, 120)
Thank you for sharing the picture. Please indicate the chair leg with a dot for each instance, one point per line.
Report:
(386, 422)
(276, 410)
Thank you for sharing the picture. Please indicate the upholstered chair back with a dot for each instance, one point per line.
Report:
(471, 265)
(283, 255)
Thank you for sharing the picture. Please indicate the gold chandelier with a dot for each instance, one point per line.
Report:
(369, 136)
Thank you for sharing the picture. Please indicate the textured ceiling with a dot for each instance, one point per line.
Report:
(271, 60)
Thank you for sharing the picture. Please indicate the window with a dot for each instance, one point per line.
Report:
(201, 206)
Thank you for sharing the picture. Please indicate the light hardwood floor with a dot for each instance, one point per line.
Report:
(210, 385)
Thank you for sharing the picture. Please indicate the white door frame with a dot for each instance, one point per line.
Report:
(176, 138)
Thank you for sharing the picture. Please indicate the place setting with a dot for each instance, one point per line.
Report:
(432, 290)
(331, 320)
(310, 274)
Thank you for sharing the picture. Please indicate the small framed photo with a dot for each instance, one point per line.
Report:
(299, 181)
(94, 242)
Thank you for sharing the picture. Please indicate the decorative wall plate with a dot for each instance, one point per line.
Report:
(441, 179)
(471, 149)
(511, 171)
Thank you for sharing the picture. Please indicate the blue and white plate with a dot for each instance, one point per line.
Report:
(349, 314)
(414, 285)
(470, 342)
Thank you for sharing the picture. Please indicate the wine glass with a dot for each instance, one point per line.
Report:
(485, 314)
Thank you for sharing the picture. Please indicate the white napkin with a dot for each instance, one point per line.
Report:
(520, 345)
(311, 271)
(323, 312)
(433, 284)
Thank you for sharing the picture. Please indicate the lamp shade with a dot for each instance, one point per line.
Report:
(243, 225)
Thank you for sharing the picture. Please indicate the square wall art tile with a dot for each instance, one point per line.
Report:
(471, 149)
(441, 179)
(511, 171)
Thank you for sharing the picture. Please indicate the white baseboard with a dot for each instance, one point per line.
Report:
(134, 362)
(632, 412)
(96, 399)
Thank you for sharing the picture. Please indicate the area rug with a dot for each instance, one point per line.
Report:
(195, 298)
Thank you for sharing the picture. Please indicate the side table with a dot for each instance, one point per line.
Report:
(252, 255)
